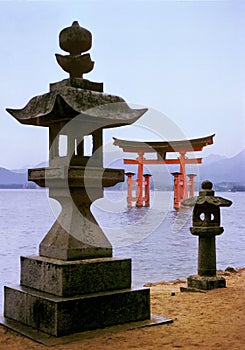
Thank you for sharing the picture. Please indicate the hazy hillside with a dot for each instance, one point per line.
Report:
(8, 177)
(224, 170)
(213, 158)
(217, 169)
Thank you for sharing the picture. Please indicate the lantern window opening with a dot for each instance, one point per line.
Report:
(202, 216)
(75, 147)
(87, 145)
(63, 145)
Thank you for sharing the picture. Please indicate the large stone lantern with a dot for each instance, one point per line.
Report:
(206, 225)
(73, 110)
(75, 284)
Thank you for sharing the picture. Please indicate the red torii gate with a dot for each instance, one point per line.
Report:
(161, 148)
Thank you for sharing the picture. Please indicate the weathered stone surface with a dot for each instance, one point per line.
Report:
(76, 83)
(59, 316)
(78, 177)
(207, 256)
(63, 278)
(75, 65)
(89, 106)
(76, 234)
(15, 304)
(87, 242)
(207, 232)
(205, 282)
(75, 39)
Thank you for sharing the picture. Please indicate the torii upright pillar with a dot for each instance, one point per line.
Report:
(183, 179)
(139, 191)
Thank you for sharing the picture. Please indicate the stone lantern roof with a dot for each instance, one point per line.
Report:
(206, 212)
(206, 195)
(67, 103)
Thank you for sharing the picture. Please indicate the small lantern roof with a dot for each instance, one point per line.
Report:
(218, 201)
(206, 195)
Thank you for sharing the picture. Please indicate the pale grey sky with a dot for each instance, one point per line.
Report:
(183, 59)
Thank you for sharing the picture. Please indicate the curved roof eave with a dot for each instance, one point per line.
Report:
(56, 106)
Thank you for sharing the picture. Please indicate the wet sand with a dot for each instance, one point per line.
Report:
(203, 320)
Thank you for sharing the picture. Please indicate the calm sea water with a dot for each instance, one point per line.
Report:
(157, 238)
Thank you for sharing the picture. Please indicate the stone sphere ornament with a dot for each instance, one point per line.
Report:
(75, 40)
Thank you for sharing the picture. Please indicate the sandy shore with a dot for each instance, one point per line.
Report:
(210, 320)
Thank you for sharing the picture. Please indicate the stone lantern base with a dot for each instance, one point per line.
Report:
(197, 282)
(61, 297)
(206, 282)
(58, 298)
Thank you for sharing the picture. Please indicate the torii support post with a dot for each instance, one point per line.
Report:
(191, 184)
(183, 179)
(147, 189)
(139, 191)
(177, 190)
(130, 183)
(145, 184)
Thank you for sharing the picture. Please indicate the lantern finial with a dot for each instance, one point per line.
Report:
(75, 40)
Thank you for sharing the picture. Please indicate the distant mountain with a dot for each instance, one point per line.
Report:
(25, 170)
(224, 170)
(215, 168)
(8, 177)
(40, 165)
(213, 158)
(17, 178)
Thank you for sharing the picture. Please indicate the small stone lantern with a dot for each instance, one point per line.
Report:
(206, 225)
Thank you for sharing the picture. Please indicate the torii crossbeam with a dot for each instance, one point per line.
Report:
(182, 181)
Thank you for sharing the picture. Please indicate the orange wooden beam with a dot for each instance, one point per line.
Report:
(166, 161)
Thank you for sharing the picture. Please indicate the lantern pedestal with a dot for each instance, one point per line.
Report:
(60, 297)
(206, 278)
(207, 249)
(75, 235)
(58, 316)
(205, 282)
(75, 285)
